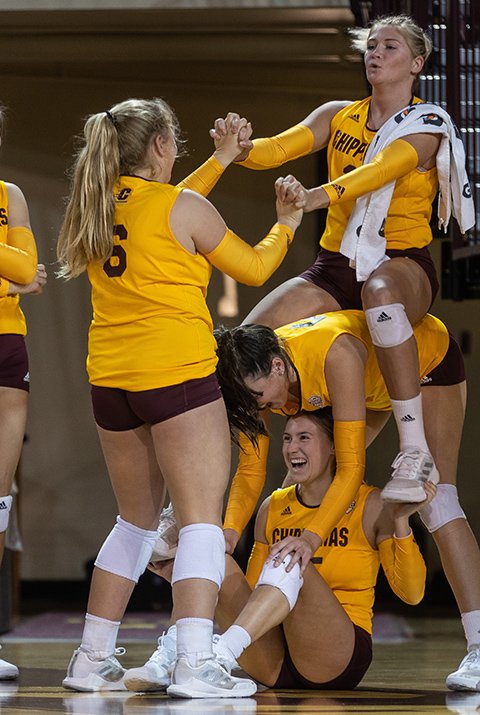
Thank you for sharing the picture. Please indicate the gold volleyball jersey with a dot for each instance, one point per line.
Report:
(12, 319)
(151, 325)
(346, 560)
(408, 220)
(308, 341)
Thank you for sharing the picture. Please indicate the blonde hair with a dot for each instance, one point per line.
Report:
(114, 142)
(418, 41)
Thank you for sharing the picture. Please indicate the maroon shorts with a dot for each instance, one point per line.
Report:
(119, 410)
(291, 679)
(332, 273)
(14, 362)
(450, 371)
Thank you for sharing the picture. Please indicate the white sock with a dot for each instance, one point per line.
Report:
(471, 626)
(194, 639)
(234, 641)
(409, 418)
(99, 636)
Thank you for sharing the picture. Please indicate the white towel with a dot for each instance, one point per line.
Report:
(364, 240)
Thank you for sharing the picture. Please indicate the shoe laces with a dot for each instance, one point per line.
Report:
(472, 659)
(227, 661)
(214, 672)
(405, 465)
(118, 651)
(163, 655)
(167, 519)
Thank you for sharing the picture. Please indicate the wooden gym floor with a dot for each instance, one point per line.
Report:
(406, 677)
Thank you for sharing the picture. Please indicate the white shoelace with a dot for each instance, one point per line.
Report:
(405, 465)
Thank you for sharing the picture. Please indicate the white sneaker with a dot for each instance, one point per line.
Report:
(467, 675)
(89, 675)
(410, 470)
(157, 671)
(8, 671)
(207, 680)
(167, 541)
(225, 658)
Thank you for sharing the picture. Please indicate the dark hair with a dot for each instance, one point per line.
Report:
(247, 350)
(323, 417)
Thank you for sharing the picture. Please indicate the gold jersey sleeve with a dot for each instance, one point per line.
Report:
(404, 568)
(247, 484)
(12, 319)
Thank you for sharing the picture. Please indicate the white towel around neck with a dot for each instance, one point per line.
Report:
(364, 242)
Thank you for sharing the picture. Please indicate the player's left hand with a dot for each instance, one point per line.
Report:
(301, 548)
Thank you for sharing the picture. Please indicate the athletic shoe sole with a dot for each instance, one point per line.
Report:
(196, 689)
(141, 685)
(92, 685)
(459, 683)
(399, 496)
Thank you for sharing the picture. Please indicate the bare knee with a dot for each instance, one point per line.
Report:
(380, 290)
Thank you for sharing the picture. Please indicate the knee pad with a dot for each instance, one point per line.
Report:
(443, 508)
(5, 506)
(127, 550)
(388, 325)
(288, 582)
(200, 554)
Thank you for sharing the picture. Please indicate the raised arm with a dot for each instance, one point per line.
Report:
(198, 226)
(395, 161)
(311, 134)
(227, 149)
(400, 556)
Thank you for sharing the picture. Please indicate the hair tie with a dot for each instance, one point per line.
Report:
(112, 119)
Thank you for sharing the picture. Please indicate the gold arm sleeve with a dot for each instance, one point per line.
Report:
(4, 286)
(203, 179)
(393, 162)
(256, 561)
(251, 265)
(247, 484)
(349, 440)
(404, 568)
(274, 151)
(18, 257)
